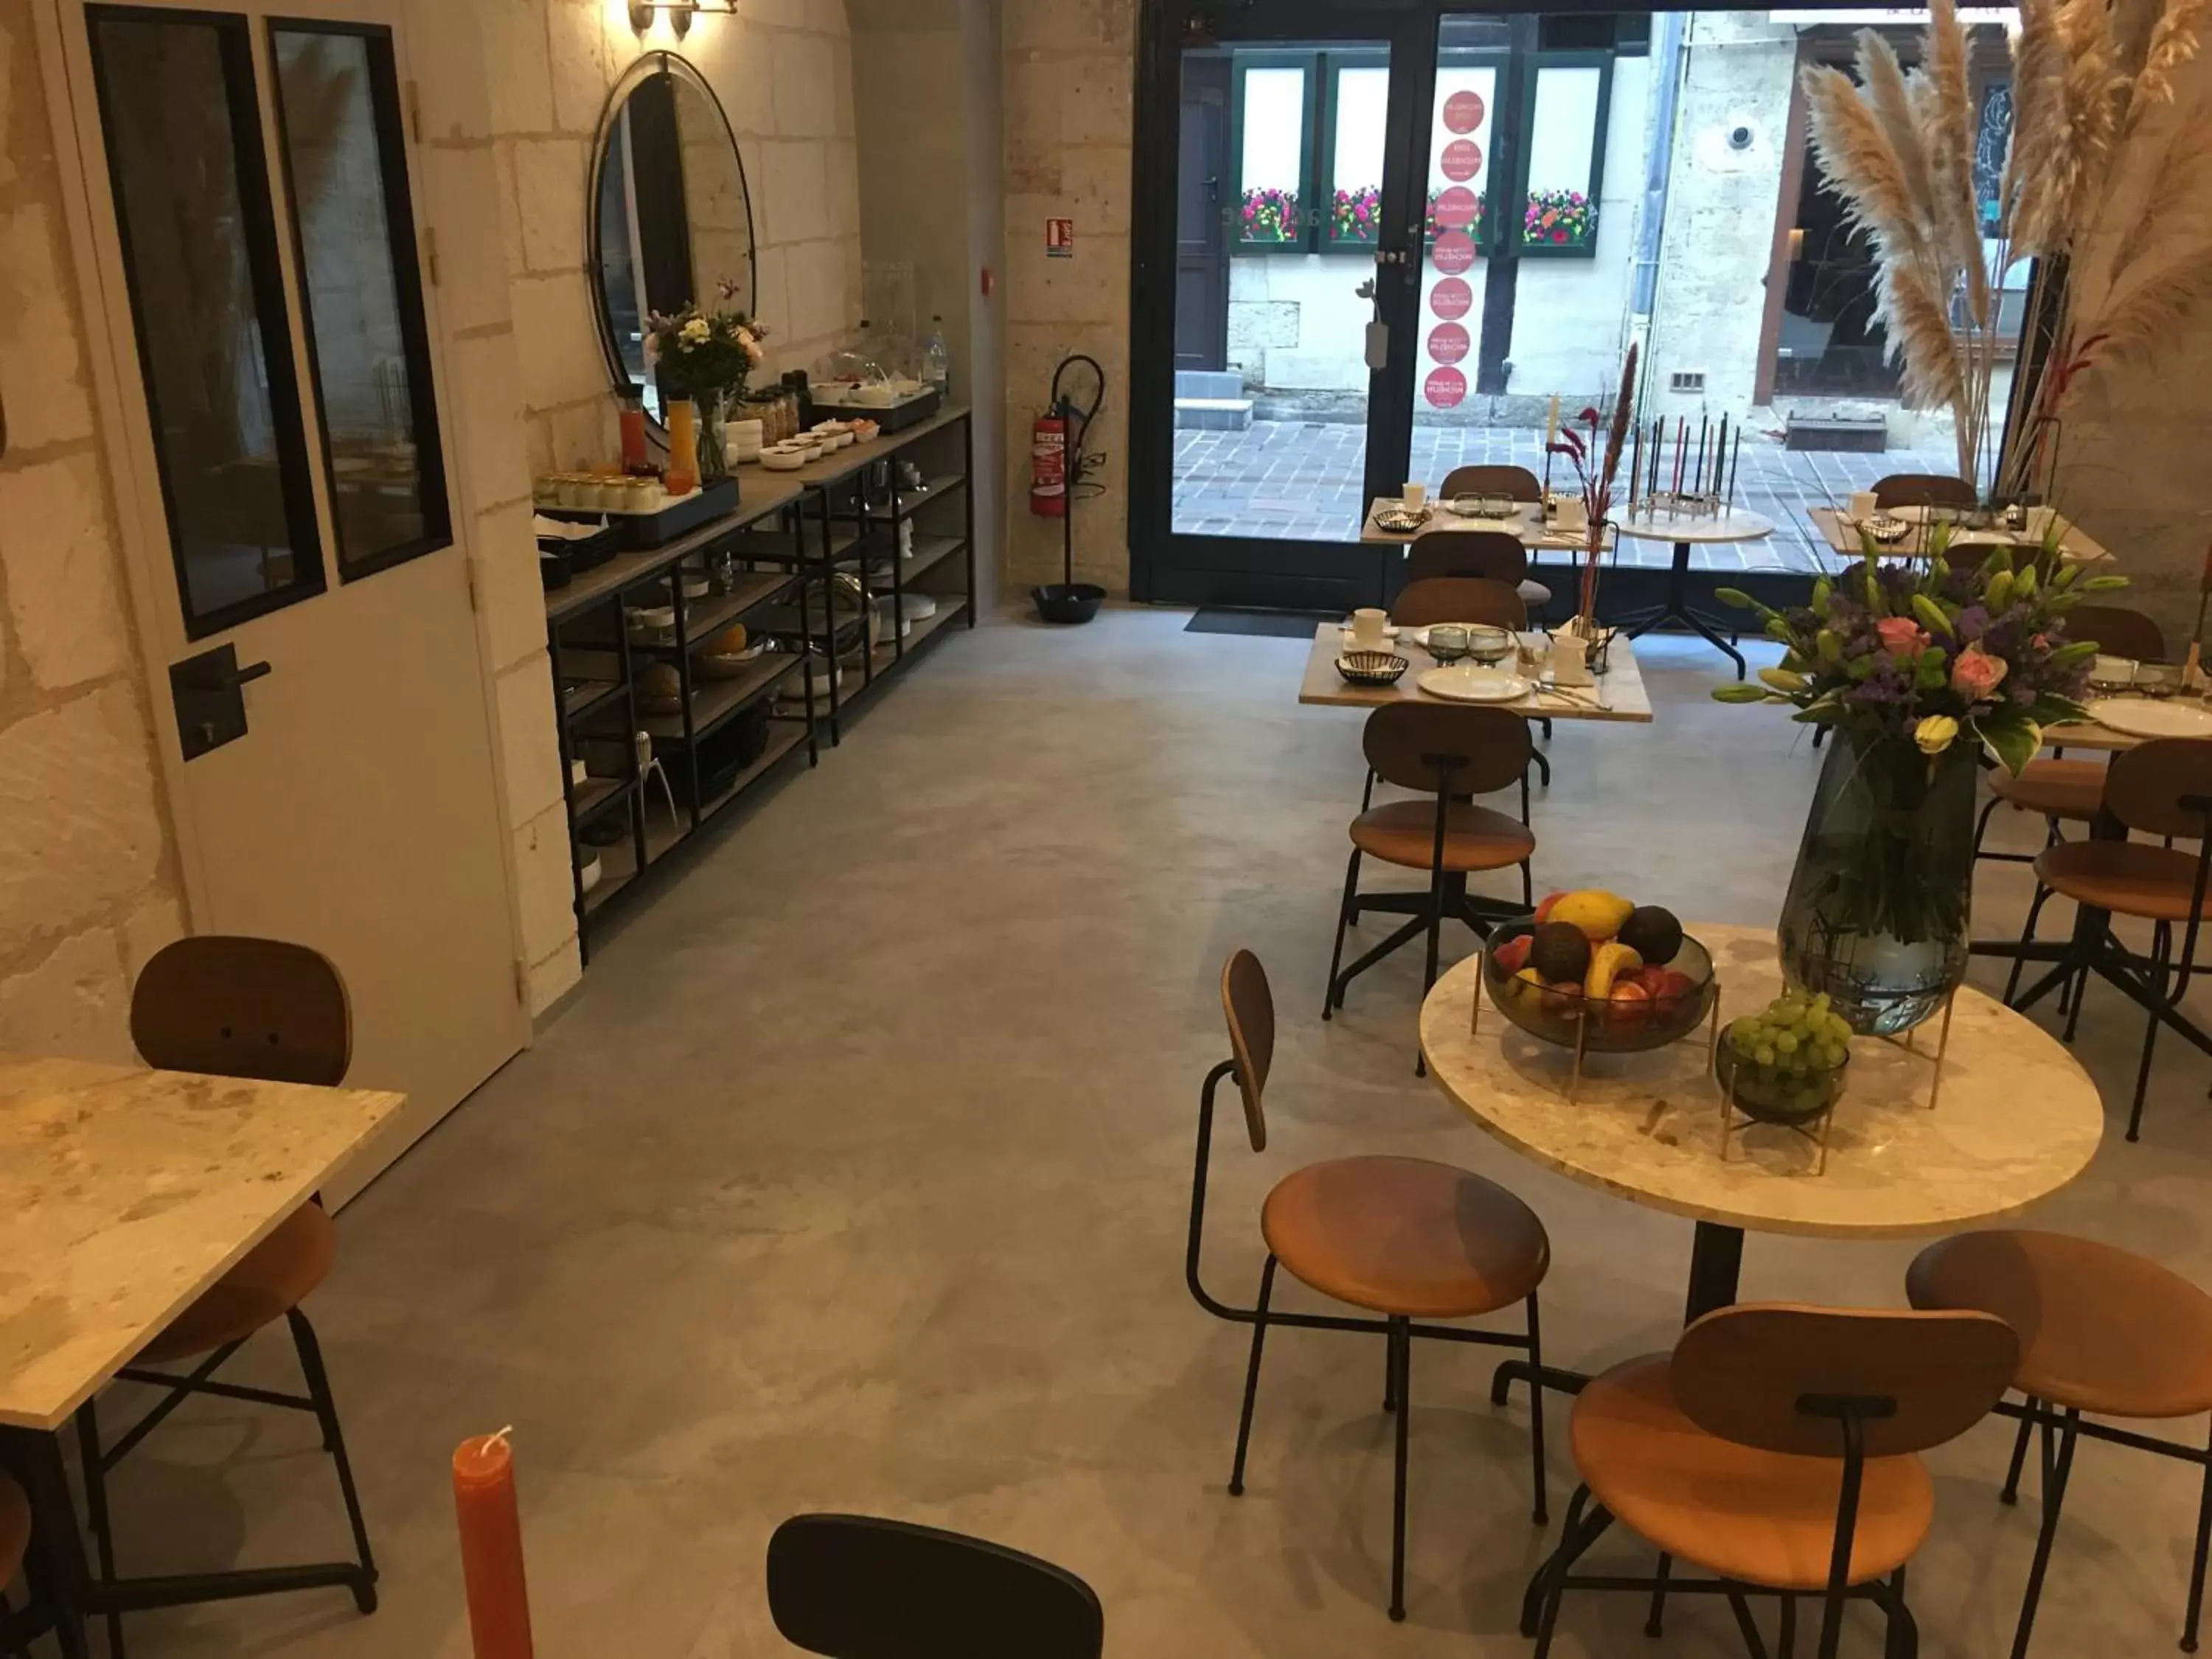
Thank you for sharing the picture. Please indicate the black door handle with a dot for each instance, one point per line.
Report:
(210, 705)
(218, 671)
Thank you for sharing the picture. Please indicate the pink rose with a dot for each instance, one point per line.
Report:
(1901, 637)
(1977, 674)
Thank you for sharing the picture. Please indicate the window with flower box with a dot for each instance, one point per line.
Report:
(1272, 124)
(1358, 100)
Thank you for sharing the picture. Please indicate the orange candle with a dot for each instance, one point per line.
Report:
(491, 1548)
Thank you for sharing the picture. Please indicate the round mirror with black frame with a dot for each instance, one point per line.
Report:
(669, 217)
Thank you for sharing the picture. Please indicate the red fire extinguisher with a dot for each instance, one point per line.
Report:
(1048, 465)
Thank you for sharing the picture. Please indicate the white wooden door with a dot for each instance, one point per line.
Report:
(269, 350)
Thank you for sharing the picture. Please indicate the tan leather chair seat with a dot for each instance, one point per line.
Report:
(1405, 1236)
(15, 1529)
(2101, 1329)
(272, 1278)
(1404, 832)
(2072, 790)
(2134, 878)
(1765, 1518)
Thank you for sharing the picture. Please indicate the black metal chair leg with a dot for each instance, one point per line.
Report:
(2081, 993)
(2161, 950)
(1252, 1375)
(1539, 1584)
(1401, 1340)
(2197, 1561)
(1542, 1514)
(2011, 1492)
(2027, 938)
(96, 1512)
(1785, 1644)
(326, 1413)
(1330, 995)
(1390, 1375)
(1982, 825)
(1902, 1638)
(1543, 766)
(2054, 1497)
(1652, 1623)
(1746, 1624)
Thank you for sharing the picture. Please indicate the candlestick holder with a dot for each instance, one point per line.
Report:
(1683, 504)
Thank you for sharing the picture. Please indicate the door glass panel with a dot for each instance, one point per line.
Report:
(1462, 156)
(199, 253)
(344, 159)
(1271, 330)
(1560, 212)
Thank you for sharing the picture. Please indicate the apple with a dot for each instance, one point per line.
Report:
(1544, 909)
(1512, 955)
(1630, 1003)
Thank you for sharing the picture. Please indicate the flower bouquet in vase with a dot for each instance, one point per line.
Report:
(1596, 466)
(705, 356)
(1919, 670)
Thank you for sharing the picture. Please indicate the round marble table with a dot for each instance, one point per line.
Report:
(2015, 1119)
(1684, 531)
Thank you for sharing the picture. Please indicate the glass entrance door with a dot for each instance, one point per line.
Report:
(1293, 216)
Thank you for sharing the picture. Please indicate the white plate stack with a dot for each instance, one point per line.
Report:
(741, 442)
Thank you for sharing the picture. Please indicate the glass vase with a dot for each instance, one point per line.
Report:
(1878, 905)
(714, 452)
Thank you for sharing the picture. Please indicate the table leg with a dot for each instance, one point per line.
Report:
(57, 1546)
(1677, 609)
(1716, 1267)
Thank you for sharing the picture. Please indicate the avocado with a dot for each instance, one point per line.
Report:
(1652, 933)
(1560, 951)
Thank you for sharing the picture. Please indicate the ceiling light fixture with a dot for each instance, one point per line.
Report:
(680, 13)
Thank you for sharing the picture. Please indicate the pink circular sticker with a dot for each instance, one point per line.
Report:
(1445, 388)
(1453, 253)
(1455, 208)
(1462, 160)
(1464, 112)
(1451, 298)
(1448, 344)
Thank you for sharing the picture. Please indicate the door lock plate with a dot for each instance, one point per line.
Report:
(211, 698)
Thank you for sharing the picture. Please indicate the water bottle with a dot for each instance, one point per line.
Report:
(936, 361)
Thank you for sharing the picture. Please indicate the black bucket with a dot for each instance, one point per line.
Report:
(1068, 602)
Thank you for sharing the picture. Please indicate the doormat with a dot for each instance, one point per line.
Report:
(1268, 624)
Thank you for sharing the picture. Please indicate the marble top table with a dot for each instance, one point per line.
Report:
(125, 1193)
(1684, 531)
(2015, 1120)
(1841, 532)
(1619, 694)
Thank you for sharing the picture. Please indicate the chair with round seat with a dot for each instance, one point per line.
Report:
(2059, 790)
(1776, 1448)
(1408, 1240)
(2161, 788)
(257, 1008)
(2102, 1331)
(1491, 555)
(1512, 483)
(1923, 489)
(1450, 753)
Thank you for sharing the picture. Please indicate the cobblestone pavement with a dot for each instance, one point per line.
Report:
(1303, 480)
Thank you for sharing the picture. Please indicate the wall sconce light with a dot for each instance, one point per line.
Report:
(680, 13)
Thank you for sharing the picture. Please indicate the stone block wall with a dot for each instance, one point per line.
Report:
(89, 883)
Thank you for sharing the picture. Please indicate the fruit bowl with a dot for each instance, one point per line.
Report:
(1618, 1023)
(1786, 1064)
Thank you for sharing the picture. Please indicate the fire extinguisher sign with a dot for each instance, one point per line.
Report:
(1060, 238)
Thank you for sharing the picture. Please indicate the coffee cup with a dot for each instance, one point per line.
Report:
(1415, 495)
(1864, 505)
(2113, 670)
(1367, 628)
(1572, 516)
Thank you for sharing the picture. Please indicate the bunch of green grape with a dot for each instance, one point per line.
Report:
(1788, 1049)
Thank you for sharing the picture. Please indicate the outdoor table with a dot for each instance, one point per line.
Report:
(1686, 529)
(124, 1193)
(2016, 1118)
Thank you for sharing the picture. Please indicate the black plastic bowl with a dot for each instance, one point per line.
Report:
(1068, 602)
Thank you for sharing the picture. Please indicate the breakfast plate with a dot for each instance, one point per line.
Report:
(2141, 717)
(1464, 682)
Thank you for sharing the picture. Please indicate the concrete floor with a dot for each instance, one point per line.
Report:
(856, 1178)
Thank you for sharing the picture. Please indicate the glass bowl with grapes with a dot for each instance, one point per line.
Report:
(1785, 1064)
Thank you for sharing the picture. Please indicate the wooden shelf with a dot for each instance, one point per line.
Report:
(713, 702)
(617, 869)
(704, 618)
(588, 696)
(783, 737)
(887, 655)
(928, 550)
(587, 797)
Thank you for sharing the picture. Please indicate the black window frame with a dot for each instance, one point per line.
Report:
(265, 280)
(390, 117)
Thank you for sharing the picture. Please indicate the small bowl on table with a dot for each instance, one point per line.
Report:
(1563, 1015)
(1772, 1092)
(1372, 668)
(1489, 645)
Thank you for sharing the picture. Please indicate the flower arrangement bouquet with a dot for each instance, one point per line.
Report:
(1595, 467)
(700, 353)
(1927, 653)
(1270, 216)
(1358, 215)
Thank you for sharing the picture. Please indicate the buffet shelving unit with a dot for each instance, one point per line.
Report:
(804, 562)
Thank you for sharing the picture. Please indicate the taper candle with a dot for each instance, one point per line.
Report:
(491, 1548)
(1720, 456)
(1734, 459)
(1697, 473)
(1635, 467)
(1681, 450)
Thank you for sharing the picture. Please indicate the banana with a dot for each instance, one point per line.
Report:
(1607, 963)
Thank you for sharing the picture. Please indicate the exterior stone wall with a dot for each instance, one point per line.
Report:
(89, 883)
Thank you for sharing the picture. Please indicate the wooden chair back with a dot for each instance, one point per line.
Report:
(1514, 484)
(257, 1008)
(1446, 748)
(1921, 489)
(1762, 1374)
(2118, 631)
(851, 1587)
(1491, 555)
(1459, 599)
(1249, 1007)
(2161, 788)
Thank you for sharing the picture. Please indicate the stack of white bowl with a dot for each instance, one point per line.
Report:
(741, 442)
